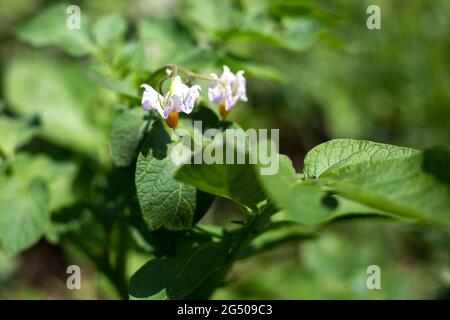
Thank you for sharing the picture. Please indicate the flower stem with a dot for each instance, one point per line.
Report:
(252, 228)
(191, 74)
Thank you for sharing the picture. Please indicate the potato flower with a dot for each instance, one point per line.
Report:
(227, 90)
(179, 98)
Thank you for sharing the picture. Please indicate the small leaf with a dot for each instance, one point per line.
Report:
(164, 201)
(127, 134)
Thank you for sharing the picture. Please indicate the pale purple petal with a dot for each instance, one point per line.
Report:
(227, 76)
(240, 84)
(152, 100)
(189, 100)
(230, 90)
(168, 108)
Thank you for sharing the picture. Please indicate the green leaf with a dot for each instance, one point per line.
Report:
(49, 28)
(417, 187)
(127, 134)
(237, 182)
(305, 202)
(350, 178)
(294, 34)
(176, 277)
(60, 96)
(165, 40)
(164, 201)
(335, 154)
(109, 30)
(14, 133)
(121, 87)
(210, 16)
(24, 214)
(58, 175)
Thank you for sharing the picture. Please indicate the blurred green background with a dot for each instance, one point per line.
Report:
(314, 71)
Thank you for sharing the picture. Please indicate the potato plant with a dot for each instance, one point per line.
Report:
(96, 171)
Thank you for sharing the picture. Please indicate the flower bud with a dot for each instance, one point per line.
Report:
(223, 111)
(172, 119)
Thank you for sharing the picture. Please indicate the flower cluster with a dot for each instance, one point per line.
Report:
(225, 91)
(228, 90)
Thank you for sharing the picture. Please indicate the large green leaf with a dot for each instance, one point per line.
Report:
(164, 201)
(178, 276)
(417, 187)
(49, 28)
(349, 178)
(24, 214)
(332, 155)
(127, 133)
(60, 96)
(304, 202)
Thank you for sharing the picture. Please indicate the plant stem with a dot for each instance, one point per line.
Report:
(246, 235)
(191, 74)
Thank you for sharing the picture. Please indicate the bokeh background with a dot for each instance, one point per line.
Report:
(314, 71)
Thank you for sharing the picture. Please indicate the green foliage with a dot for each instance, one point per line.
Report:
(59, 97)
(49, 28)
(178, 276)
(164, 201)
(14, 133)
(24, 207)
(109, 31)
(235, 182)
(334, 155)
(83, 166)
(127, 134)
(407, 188)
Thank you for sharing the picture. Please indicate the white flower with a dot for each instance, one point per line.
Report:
(180, 98)
(229, 89)
(184, 97)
